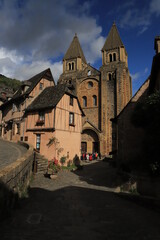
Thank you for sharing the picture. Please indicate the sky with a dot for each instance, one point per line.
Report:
(35, 34)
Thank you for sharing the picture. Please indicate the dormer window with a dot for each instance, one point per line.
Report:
(89, 73)
(41, 118)
(40, 86)
(71, 100)
(13, 107)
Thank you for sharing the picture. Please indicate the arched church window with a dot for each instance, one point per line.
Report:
(110, 57)
(72, 65)
(84, 101)
(94, 100)
(69, 66)
(110, 76)
(114, 56)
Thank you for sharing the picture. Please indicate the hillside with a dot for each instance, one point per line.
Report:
(9, 82)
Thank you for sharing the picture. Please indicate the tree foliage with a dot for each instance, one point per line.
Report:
(9, 82)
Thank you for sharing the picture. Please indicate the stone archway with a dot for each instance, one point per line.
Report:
(90, 141)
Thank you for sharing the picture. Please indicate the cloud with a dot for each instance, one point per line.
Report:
(136, 18)
(12, 65)
(36, 33)
(135, 76)
(139, 17)
(138, 75)
(155, 7)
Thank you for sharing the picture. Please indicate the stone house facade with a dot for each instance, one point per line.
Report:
(102, 93)
(130, 139)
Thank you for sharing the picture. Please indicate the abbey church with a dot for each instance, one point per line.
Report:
(74, 116)
(102, 93)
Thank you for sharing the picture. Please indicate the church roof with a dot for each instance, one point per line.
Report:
(113, 39)
(75, 50)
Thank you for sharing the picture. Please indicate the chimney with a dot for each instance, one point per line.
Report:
(157, 44)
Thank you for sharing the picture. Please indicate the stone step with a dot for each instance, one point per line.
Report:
(42, 163)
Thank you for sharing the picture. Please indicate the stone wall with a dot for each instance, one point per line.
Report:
(18, 173)
(129, 138)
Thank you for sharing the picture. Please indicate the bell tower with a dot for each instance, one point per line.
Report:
(115, 84)
(74, 58)
(73, 62)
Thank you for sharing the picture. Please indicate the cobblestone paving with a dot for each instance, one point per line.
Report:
(80, 205)
(9, 152)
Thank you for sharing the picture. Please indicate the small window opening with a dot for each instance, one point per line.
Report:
(114, 56)
(110, 57)
(94, 100)
(84, 101)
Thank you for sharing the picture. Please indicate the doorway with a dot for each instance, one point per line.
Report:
(83, 147)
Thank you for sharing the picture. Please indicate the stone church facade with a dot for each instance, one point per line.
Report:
(102, 93)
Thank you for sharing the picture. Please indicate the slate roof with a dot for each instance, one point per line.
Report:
(75, 50)
(32, 82)
(113, 39)
(49, 97)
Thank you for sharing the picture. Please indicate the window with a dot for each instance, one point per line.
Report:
(18, 128)
(26, 138)
(71, 118)
(41, 119)
(38, 141)
(94, 100)
(84, 101)
(41, 116)
(110, 57)
(89, 73)
(110, 76)
(114, 56)
(90, 84)
(13, 107)
(72, 66)
(18, 107)
(71, 100)
(40, 86)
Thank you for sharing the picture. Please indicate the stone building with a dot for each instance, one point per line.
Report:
(130, 139)
(102, 93)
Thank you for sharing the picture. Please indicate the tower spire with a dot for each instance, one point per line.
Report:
(75, 50)
(113, 39)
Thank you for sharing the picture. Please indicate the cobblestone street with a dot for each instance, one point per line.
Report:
(80, 205)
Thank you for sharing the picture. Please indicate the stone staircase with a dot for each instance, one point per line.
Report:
(42, 163)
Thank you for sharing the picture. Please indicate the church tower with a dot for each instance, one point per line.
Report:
(115, 85)
(73, 62)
